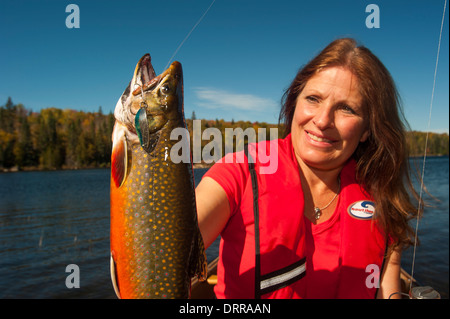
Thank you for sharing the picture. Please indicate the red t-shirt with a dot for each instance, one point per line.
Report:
(322, 242)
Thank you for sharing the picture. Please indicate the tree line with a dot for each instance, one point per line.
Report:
(66, 139)
(437, 144)
(54, 138)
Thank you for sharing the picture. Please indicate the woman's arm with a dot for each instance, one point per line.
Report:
(390, 279)
(213, 209)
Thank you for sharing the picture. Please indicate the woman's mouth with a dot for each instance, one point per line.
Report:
(318, 138)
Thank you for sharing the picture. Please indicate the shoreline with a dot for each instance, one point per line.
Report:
(16, 169)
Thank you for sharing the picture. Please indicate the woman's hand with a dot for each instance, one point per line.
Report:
(390, 279)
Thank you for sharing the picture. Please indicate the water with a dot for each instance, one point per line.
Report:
(432, 255)
(49, 220)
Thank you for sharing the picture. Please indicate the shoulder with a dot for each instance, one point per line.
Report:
(232, 171)
(348, 177)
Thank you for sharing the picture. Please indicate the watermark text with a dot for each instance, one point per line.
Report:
(73, 279)
(212, 152)
(73, 19)
(373, 19)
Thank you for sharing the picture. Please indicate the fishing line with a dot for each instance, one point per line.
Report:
(193, 28)
(426, 146)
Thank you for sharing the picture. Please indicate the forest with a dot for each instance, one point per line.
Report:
(66, 139)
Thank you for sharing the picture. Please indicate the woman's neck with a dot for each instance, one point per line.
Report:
(320, 188)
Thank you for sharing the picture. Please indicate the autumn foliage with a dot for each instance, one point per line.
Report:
(66, 139)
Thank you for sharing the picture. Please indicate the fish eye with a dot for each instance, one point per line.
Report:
(165, 89)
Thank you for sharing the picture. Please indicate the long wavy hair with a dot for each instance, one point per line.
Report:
(382, 160)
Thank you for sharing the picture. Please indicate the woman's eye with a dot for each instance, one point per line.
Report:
(348, 109)
(312, 99)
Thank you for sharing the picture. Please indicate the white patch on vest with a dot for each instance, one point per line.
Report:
(363, 209)
(283, 277)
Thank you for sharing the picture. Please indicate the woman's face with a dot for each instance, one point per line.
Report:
(329, 121)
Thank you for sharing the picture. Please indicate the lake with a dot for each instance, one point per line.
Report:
(49, 220)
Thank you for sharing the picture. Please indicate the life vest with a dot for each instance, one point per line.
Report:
(363, 243)
(263, 250)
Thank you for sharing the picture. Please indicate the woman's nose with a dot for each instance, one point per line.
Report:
(324, 118)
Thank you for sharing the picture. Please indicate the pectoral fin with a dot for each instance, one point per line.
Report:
(114, 277)
(119, 157)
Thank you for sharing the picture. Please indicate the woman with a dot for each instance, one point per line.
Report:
(332, 220)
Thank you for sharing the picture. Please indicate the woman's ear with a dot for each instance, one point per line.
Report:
(365, 135)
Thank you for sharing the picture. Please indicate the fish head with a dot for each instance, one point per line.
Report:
(151, 102)
(162, 97)
(161, 107)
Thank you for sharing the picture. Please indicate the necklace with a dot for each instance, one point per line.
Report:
(318, 211)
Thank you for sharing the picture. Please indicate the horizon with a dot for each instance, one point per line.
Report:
(238, 57)
(187, 118)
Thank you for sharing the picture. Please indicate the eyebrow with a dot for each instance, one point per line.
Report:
(315, 92)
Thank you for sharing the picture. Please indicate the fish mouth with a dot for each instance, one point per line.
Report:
(124, 111)
(156, 81)
(144, 70)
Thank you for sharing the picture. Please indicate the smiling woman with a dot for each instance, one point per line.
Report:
(344, 148)
(329, 120)
(371, 96)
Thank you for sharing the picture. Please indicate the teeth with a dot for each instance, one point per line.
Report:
(318, 139)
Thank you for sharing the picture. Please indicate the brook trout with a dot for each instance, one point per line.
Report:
(156, 245)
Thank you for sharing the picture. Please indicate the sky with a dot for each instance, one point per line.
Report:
(237, 61)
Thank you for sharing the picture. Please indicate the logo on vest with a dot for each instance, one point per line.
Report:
(363, 209)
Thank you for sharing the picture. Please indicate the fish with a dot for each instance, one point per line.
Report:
(156, 244)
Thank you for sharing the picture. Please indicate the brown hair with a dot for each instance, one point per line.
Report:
(382, 160)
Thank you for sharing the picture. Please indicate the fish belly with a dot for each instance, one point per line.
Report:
(153, 222)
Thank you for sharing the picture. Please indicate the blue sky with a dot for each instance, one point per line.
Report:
(237, 62)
